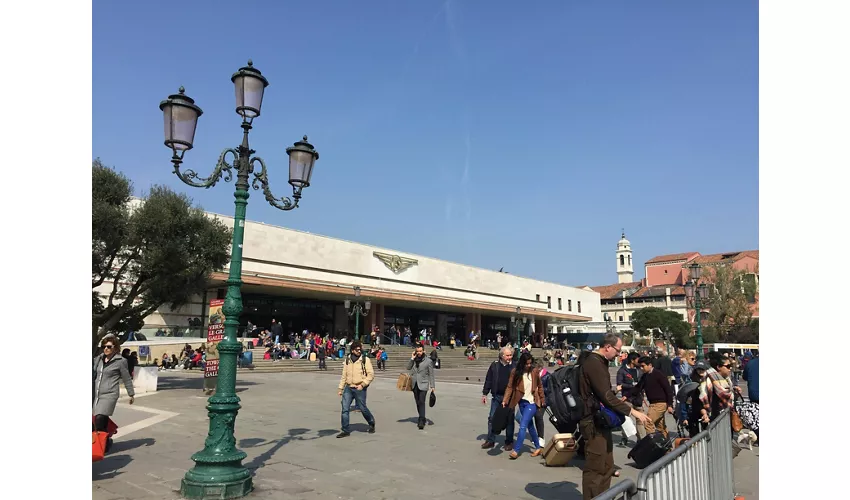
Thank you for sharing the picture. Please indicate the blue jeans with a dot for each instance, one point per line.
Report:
(348, 395)
(527, 410)
(509, 430)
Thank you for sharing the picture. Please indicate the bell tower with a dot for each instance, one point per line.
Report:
(625, 269)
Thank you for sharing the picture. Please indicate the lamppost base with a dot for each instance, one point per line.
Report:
(218, 482)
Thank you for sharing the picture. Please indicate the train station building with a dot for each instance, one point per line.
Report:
(302, 280)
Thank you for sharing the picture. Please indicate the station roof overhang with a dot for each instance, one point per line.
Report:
(326, 290)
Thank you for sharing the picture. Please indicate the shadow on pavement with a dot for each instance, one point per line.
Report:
(119, 446)
(562, 490)
(109, 467)
(276, 444)
(415, 420)
(171, 383)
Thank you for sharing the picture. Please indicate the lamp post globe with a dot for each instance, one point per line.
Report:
(181, 115)
(218, 471)
(250, 85)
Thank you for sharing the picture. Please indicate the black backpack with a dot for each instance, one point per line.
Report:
(563, 381)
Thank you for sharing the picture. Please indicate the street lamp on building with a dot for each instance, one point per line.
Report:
(697, 292)
(357, 310)
(609, 324)
(519, 322)
(218, 471)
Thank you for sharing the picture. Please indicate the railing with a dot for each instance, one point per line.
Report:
(700, 469)
(624, 490)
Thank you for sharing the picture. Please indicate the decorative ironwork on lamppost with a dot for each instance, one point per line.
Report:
(519, 323)
(357, 310)
(697, 292)
(218, 471)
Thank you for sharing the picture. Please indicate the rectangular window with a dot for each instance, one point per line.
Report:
(549, 301)
(538, 297)
(569, 305)
(559, 304)
(579, 305)
(621, 318)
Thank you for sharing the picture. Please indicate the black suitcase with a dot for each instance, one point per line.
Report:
(649, 449)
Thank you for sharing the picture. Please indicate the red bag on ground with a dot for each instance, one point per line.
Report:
(98, 445)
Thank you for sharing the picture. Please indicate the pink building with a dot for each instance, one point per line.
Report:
(663, 285)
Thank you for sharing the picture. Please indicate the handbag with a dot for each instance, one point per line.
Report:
(737, 425)
(748, 411)
(432, 400)
(608, 418)
(98, 445)
(405, 382)
(500, 418)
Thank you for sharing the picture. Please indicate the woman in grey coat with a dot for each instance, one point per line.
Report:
(422, 372)
(109, 368)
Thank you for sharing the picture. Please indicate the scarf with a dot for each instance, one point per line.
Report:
(353, 357)
(418, 359)
(713, 386)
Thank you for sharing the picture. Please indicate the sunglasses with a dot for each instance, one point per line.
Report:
(108, 346)
(726, 366)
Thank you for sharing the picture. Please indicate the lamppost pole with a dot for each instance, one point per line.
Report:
(357, 310)
(519, 323)
(218, 471)
(697, 292)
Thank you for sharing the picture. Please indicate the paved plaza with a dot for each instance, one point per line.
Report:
(287, 426)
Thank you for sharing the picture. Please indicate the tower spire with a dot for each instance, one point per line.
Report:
(625, 268)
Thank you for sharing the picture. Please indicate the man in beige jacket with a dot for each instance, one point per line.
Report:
(357, 374)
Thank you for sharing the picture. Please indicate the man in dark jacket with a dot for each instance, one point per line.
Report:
(658, 392)
(594, 388)
(277, 331)
(498, 376)
(628, 377)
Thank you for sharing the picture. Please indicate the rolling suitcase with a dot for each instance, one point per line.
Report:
(649, 449)
(559, 450)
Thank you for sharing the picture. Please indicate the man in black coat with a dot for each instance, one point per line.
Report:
(498, 376)
(277, 331)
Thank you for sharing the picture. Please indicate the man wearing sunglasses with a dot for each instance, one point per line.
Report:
(108, 370)
(357, 374)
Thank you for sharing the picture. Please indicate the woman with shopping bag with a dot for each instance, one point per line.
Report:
(108, 369)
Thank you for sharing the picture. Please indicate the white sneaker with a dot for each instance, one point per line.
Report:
(542, 442)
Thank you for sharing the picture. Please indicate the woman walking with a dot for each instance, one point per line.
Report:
(526, 390)
(422, 372)
(109, 368)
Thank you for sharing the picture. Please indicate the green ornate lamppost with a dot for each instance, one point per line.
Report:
(697, 292)
(519, 322)
(218, 471)
(357, 310)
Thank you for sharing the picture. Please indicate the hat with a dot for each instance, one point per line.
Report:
(701, 365)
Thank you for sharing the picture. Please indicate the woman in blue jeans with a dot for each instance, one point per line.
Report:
(526, 390)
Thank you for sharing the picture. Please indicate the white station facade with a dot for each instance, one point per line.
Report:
(302, 280)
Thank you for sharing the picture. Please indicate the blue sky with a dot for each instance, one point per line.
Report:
(472, 131)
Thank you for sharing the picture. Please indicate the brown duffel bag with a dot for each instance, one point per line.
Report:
(405, 382)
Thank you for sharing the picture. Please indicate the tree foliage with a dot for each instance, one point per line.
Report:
(663, 323)
(160, 252)
(729, 306)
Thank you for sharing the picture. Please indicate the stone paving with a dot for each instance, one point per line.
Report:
(287, 427)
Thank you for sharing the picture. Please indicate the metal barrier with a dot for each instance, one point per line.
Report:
(700, 469)
(624, 490)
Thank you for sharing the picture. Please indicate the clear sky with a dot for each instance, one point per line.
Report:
(479, 132)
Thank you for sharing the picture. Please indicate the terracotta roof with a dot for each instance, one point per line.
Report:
(659, 291)
(616, 290)
(726, 256)
(671, 257)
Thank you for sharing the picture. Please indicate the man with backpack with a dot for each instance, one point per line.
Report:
(595, 388)
(357, 374)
